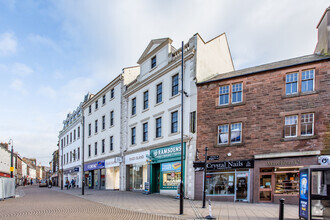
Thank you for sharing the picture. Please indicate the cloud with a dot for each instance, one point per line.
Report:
(18, 86)
(21, 69)
(8, 43)
(40, 40)
(47, 91)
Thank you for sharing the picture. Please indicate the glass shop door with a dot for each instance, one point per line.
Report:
(242, 186)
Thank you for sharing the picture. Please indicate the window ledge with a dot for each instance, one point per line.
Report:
(174, 96)
(144, 142)
(173, 134)
(299, 94)
(132, 145)
(230, 105)
(299, 138)
(132, 116)
(152, 69)
(230, 145)
(158, 138)
(159, 103)
(145, 110)
(103, 129)
(111, 126)
(89, 113)
(103, 104)
(96, 109)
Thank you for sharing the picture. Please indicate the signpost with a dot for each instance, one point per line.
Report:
(213, 157)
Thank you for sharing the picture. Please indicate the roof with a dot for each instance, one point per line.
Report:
(267, 67)
(149, 49)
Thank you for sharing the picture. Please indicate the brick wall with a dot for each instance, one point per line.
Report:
(262, 114)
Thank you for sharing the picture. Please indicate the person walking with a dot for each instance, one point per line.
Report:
(67, 184)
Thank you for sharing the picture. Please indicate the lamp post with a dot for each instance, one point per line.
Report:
(82, 157)
(182, 93)
(11, 157)
(204, 182)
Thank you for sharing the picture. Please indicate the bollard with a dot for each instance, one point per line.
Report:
(210, 212)
(281, 214)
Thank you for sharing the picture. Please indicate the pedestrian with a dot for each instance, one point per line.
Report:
(72, 183)
(31, 182)
(67, 184)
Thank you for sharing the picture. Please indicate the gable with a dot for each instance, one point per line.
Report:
(153, 46)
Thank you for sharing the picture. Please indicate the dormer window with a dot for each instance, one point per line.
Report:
(153, 62)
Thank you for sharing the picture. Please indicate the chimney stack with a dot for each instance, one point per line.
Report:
(323, 29)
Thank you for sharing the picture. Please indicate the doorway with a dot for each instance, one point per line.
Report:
(266, 187)
(242, 189)
(156, 178)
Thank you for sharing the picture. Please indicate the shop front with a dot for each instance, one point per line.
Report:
(277, 178)
(72, 174)
(166, 169)
(112, 173)
(136, 171)
(95, 175)
(225, 180)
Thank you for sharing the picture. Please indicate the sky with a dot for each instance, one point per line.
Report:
(52, 53)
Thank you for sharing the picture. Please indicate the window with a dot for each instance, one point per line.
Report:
(70, 137)
(64, 159)
(158, 127)
(103, 122)
(111, 118)
(133, 136)
(78, 153)
(67, 139)
(193, 122)
(133, 106)
(291, 84)
(146, 100)
(307, 124)
(103, 146)
(236, 133)
(89, 150)
(287, 181)
(174, 122)
(153, 62)
(236, 93)
(224, 95)
(95, 149)
(89, 129)
(74, 155)
(145, 131)
(291, 126)
(220, 184)
(64, 141)
(159, 95)
(74, 134)
(112, 93)
(223, 134)
(78, 132)
(103, 99)
(96, 104)
(175, 84)
(70, 156)
(67, 157)
(307, 81)
(95, 126)
(90, 109)
(111, 143)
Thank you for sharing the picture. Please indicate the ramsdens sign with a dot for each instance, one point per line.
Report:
(166, 152)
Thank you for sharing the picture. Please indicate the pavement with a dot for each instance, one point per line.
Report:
(168, 206)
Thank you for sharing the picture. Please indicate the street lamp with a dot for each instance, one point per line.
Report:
(11, 158)
(62, 168)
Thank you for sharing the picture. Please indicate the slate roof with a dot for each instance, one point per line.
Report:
(268, 67)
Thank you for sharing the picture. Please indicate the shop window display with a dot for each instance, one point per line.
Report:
(287, 181)
(171, 179)
(220, 183)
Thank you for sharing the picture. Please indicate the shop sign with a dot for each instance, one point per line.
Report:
(76, 169)
(166, 152)
(111, 163)
(230, 165)
(303, 194)
(213, 157)
(283, 163)
(136, 158)
(173, 166)
(72, 170)
(94, 166)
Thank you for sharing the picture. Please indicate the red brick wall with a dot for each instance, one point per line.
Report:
(262, 114)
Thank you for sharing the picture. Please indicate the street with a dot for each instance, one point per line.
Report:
(34, 202)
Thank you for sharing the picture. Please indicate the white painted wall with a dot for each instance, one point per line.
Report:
(24, 169)
(4, 160)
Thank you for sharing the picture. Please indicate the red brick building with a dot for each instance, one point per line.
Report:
(264, 123)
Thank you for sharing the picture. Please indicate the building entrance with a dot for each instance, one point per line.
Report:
(242, 181)
(156, 178)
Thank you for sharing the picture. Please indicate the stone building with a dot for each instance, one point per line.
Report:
(262, 124)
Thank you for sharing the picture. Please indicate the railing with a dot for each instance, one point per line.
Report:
(177, 53)
(7, 188)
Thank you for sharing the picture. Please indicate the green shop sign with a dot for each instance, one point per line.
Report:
(167, 153)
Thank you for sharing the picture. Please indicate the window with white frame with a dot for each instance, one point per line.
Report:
(78, 153)
(236, 93)
(103, 122)
(79, 132)
(103, 99)
(70, 137)
(74, 155)
(90, 109)
(223, 134)
(291, 126)
(103, 146)
(145, 131)
(96, 104)
(67, 139)
(291, 83)
(174, 122)
(175, 84)
(64, 158)
(89, 150)
(236, 133)
(224, 95)
(133, 106)
(307, 124)
(112, 93)
(96, 126)
(89, 129)
(307, 81)
(145, 100)
(153, 62)
(159, 95)
(112, 118)
(158, 127)
(111, 143)
(133, 135)
(74, 134)
(95, 148)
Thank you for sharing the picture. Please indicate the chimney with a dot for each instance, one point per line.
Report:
(323, 29)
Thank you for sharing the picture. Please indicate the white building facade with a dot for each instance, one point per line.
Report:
(152, 128)
(102, 133)
(70, 146)
(4, 162)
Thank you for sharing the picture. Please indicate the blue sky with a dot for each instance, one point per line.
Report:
(53, 52)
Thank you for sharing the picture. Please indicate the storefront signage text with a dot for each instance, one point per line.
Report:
(166, 152)
(173, 166)
(230, 165)
(94, 166)
(136, 158)
(283, 163)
